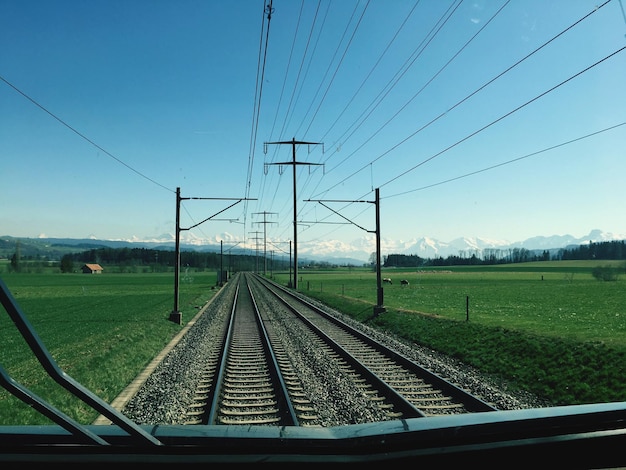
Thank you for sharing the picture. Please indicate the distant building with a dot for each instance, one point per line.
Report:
(91, 269)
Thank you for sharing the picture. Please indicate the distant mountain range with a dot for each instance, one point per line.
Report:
(426, 247)
(357, 252)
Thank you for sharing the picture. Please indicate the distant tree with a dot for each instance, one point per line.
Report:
(15, 263)
(16, 259)
(372, 259)
(67, 264)
(605, 273)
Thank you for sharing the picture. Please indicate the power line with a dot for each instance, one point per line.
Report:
(82, 135)
(562, 144)
(389, 86)
(482, 87)
(420, 90)
(497, 120)
(374, 67)
(502, 117)
(267, 11)
(265, 222)
(337, 68)
(292, 103)
(294, 163)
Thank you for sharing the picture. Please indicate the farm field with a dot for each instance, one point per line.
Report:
(559, 299)
(101, 329)
(551, 328)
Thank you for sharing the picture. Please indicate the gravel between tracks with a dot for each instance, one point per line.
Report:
(167, 393)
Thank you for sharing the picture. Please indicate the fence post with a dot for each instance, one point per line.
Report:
(467, 308)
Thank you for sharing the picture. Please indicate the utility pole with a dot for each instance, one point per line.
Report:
(293, 142)
(290, 284)
(219, 278)
(175, 314)
(379, 307)
(265, 222)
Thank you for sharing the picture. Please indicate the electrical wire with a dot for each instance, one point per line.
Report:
(503, 117)
(490, 124)
(268, 10)
(84, 137)
(482, 87)
(508, 162)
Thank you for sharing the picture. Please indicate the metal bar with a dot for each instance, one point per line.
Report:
(48, 410)
(59, 376)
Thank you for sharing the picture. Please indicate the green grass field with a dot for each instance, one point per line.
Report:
(102, 330)
(559, 299)
(548, 328)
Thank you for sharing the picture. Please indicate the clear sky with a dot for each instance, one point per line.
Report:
(487, 118)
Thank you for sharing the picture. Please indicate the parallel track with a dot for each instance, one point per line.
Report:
(583, 436)
(398, 376)
(254, 381)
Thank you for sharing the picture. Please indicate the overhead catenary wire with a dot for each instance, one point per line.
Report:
(268, 10)
(84, 137)
(508, 162)
(464, 99)
(264, 52)
(495, 121)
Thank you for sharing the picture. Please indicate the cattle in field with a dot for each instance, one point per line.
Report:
(387, 280)
(404, 282)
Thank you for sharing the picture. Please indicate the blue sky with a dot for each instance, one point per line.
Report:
(495, 119)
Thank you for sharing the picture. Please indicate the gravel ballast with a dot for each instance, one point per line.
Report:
(166, 394)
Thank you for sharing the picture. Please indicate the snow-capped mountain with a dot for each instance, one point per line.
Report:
(358, 251)
(425, 247)
(362, 249)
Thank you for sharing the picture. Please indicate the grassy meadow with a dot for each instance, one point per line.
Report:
(548, 298)
(101, 329)
(549, 328)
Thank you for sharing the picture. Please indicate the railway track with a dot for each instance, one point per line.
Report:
(267, 370)
(398, 377)
(244, 385)
(583, 436)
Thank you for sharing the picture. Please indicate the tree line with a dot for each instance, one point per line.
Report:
(131, 259)
(611, 250)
